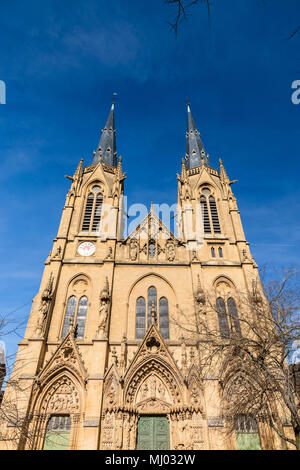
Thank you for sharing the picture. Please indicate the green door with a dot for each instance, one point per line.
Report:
(58, 433)
(153, 433)
(247, 441)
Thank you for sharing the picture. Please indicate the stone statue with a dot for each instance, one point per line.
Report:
(103, 314)
(104, 309)
(133, 250)
(170, 251)
(46, 298)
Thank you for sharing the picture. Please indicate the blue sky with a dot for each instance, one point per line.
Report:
(61, 62)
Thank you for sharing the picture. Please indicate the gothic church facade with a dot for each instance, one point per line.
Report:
(102, 365)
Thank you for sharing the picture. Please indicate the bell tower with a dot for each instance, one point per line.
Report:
(208, 217)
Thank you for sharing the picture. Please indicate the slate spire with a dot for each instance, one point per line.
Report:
(107, 149)
(195, 151)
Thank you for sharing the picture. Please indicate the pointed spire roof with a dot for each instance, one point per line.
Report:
(107, 149)
(195, 151)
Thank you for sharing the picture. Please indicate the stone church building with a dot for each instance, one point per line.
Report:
(102, 364)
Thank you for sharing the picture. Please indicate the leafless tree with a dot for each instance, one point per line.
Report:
(14, 423)
(247, 346)
(183, 7)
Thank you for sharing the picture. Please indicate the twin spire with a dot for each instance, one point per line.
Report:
(107, 150)
(195, 151)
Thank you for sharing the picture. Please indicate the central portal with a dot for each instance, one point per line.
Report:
(153, 433)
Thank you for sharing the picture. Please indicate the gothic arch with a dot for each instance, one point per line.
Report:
(111, 388)
(59, 394)
(144, 276)
(79, 275)
(78, 286)
(223, 279)
(156, 367)
(86, 187)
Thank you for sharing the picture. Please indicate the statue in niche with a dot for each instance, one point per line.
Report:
(103, 314)
(46, 298)
(104, 309)
(170, 251)
(133, 250)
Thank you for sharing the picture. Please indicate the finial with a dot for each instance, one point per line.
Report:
(114, 97)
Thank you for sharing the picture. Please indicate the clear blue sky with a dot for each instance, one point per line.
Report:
(62, 61)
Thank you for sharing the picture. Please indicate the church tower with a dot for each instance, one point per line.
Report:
(104, 363)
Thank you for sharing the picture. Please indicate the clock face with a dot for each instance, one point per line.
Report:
(86, 249)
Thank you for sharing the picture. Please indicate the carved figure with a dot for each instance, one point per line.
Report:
(103, 314)
(170, 251)
(104, 308)
(133, 250)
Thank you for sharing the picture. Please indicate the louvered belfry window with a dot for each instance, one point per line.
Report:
(214, 215)
(205, 216)
(209, 212)
(93, 210)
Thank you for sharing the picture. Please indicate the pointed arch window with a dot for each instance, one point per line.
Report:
(57, 435)
(70, 313)
(222, 317)
(220, 252)
(152, 302)
(93, 210)
(75, 313)
(246, 432)
(164, 317)
(144, 314)
(81, 316)
(140, 326)
(213, 252)
(214, 215)
(205, 216)
(209, 211)
(233, 315)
